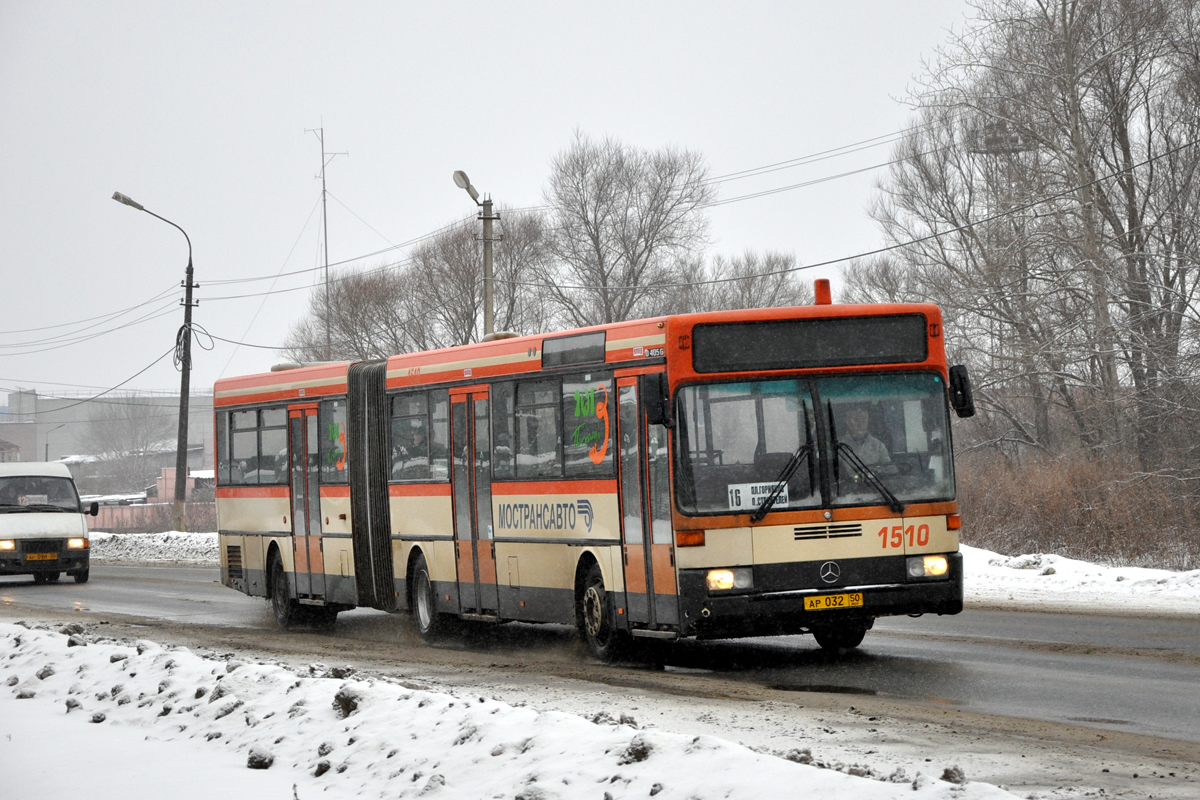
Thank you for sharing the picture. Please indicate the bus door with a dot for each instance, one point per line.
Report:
(306, 502)
(471, 479)
(646, 535)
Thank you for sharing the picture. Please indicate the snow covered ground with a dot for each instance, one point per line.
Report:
(81, 713)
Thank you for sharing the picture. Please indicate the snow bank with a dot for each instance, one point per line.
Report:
(173, 547)
(334, 734)
(1047, 582)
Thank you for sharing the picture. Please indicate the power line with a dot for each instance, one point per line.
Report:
(60, 343)
(109, 315)
(113, 388)
(889, 248)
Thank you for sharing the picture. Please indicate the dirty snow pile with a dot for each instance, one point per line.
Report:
(1049, 582)
(177, 720)
(173, 547)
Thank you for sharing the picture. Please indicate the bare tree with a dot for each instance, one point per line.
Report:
(432, 299)
(1054, 158)
(751, 280)
(621, 218)
(129, 436)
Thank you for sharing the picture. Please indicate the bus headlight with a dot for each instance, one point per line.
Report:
(77, 544)
(725, 580)
(7, 544)
(928, 567)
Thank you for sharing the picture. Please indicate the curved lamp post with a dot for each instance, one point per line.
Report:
(463, 182)
(183, 350)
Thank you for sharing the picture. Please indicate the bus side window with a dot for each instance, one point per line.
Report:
(331, 432)
(539, 433)
(588, 427)
(439, 440)
(410, 437)
(273, 447)
(223, 447)
(502, 430)
(244, 455)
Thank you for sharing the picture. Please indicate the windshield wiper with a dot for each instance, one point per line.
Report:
(802, 452)
(841, 447)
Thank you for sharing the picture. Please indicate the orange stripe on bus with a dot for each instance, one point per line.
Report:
(555, 487)
(253, 491)
(419, 490)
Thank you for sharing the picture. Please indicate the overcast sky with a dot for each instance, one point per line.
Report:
(199, 112)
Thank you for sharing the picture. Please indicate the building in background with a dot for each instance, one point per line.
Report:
(111, 444)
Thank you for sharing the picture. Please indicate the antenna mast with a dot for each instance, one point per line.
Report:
(325, 159)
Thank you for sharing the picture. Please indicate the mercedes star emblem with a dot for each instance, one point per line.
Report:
(830, 572)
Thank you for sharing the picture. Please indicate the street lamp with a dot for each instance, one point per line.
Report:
(52, 430)
(183, 352)
(463, 182)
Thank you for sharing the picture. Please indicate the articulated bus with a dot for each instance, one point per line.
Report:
(727, 474)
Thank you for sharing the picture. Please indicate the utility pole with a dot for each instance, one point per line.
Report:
(183, 357)
(325, 159)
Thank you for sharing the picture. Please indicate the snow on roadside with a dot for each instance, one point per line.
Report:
(333, 733)
(173, 547)
(1047, 582)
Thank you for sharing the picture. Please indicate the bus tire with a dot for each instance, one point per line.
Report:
(283, 606)
(82, 576)
(431, 625)
(841, 638)
(596, 619)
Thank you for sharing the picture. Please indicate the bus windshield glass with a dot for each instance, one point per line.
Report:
(775, 445)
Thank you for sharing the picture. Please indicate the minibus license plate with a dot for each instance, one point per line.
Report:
(823, 602)
(41, 556)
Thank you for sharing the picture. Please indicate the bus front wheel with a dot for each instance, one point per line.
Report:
(841, 638)
(595, 617)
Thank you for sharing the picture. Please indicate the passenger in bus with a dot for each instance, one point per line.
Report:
(858, 436)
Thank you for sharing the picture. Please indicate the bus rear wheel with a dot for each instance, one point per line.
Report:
(431, 625)
(283, 606)
(595, 618)
(840, 638)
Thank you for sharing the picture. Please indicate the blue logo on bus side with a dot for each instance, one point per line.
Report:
(585, 510)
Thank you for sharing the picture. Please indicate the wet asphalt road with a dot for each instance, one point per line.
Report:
(1123, 673)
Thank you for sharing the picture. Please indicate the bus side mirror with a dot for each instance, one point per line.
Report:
(656, 395)
(961, 399)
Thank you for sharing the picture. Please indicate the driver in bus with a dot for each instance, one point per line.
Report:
(858, 436)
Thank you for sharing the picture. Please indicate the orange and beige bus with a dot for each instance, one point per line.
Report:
(726, 474)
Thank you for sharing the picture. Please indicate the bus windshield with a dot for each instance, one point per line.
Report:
(773, 445)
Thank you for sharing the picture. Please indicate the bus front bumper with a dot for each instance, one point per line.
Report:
(779, 608)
